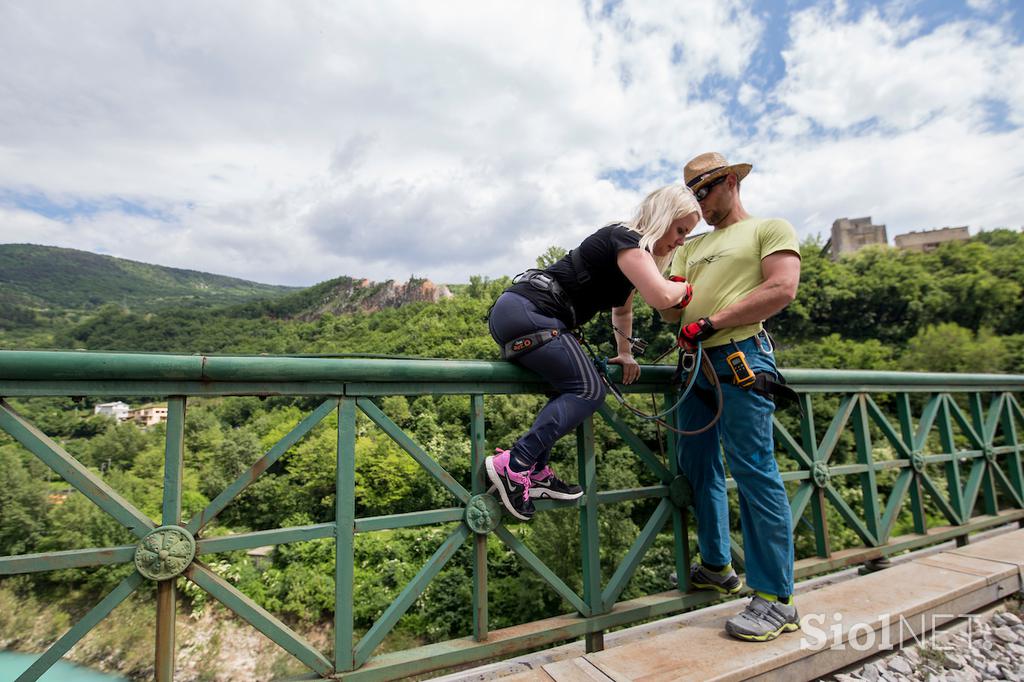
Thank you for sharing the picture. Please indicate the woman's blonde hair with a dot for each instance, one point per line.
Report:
(657, 212)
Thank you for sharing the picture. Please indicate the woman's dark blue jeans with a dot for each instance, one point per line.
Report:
(562, 363)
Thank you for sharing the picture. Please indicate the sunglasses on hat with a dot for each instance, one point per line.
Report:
(702, 193)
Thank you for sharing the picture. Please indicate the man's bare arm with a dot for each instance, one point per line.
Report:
(781, 272)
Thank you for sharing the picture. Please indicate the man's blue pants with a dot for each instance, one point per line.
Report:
(745, 433)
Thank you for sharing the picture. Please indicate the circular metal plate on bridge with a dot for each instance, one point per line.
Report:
(680, 492)
(917, 461)
(165, 552)
(483, 513)
(820, 474)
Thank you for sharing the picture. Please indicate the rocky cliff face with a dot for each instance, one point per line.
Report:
(391, 294)
(346, 295)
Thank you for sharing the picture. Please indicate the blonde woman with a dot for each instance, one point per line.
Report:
(531, 321)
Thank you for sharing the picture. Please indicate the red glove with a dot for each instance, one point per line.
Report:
(687, 295)
(695, 332)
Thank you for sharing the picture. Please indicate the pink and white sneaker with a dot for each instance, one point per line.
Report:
(545, 485)
(513, 486)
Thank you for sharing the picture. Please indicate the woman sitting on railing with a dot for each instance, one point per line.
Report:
(531, 321)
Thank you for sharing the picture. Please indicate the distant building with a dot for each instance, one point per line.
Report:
(58, 497)
(850, 234)
(148, 415)
(261, 557)
(929, 240)
(118, 410)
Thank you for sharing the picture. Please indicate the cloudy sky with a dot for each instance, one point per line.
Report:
(292, 142)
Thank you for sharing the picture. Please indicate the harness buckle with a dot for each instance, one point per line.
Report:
(538, 278)
(689, 361)
(637, 346)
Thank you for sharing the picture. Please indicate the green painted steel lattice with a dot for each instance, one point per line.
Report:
(165, 553)
(483, 513)
(917, 461)
(681, 492)
(820, 474)
(953, 446)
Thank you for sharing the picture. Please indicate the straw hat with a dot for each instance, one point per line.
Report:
(704, 168)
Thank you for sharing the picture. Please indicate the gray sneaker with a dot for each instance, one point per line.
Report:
(763, 620)
(702, 578)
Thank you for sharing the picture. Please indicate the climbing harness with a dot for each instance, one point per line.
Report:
(527, 342)
(770, 385)
(697, 359)
(689, 362)
(539, 279)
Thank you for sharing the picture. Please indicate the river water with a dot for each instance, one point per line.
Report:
(13, 664)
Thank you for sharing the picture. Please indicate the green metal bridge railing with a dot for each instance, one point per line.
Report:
(962, 456)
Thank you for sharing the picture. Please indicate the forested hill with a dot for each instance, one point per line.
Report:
(53, 297)
(959, 308)
(35, 276)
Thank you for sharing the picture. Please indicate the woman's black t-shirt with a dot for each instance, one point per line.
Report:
(607, 287)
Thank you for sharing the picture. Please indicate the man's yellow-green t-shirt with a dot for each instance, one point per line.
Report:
(724, 265)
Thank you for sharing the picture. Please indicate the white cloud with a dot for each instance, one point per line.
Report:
(380, 139)
(750, 97)
(1011, 84)
(985, 5)
(293, 142)
(842, 73)
(939, 174)
(905, 126)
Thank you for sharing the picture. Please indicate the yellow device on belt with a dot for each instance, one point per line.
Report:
(741, 371)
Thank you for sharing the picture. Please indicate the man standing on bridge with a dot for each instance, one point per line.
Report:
(744, 271)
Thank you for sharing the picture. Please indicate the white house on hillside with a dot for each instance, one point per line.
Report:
(117, 409)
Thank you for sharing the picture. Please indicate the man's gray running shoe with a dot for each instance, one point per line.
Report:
(702, 578)
(763, 620)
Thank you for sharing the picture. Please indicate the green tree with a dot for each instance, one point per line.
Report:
(22, 505)
(893, 295)
(980, 292)
(232, 455)
(481, 287)
(1014, 354)
(825, 287)
(388, 480)
(117, 446)
(835, 352)
(949, 347)
(550, 257)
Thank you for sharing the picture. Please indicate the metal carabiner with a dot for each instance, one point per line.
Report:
(764, 342)
(637, 346)
(689, 361)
